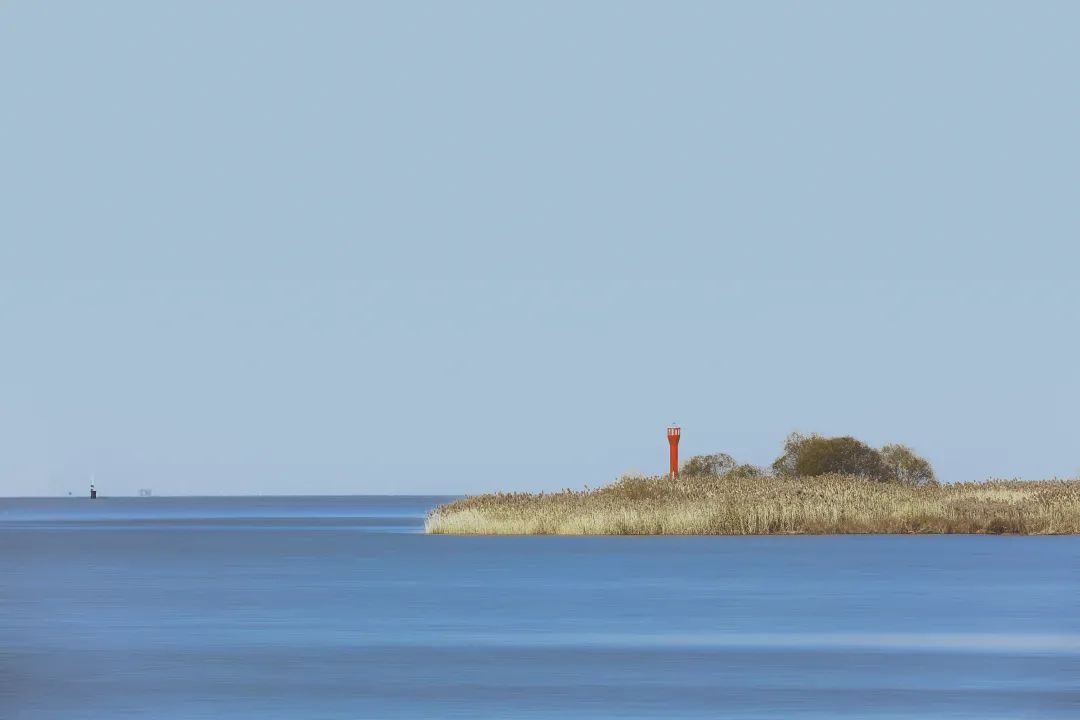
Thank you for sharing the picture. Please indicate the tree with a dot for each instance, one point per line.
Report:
(718, 464)
(907, 467)
(810, 455)
(746, 470)
(785, 464)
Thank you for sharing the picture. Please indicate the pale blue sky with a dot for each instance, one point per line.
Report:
(441, 247)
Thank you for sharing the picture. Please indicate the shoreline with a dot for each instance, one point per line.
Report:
(770, 505)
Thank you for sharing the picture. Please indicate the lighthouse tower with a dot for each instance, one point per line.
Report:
(673, 433)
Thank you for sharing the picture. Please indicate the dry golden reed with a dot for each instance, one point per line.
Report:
(770, 505)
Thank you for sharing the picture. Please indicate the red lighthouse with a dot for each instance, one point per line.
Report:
(673, 433)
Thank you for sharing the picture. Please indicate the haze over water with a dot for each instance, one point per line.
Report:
(340, 608)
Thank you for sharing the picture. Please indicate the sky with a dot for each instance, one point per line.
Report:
(429, 247)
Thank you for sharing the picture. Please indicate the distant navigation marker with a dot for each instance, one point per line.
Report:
(93, 491)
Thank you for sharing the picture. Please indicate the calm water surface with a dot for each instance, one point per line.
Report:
(340, 608)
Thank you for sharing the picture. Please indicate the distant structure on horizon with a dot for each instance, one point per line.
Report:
(145, 492)
(673, 434)
(93, 491)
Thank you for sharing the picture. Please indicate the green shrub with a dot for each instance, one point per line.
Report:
(906, 467)
(784, 466)
(813, 455)
(746, 470)
(700, 465)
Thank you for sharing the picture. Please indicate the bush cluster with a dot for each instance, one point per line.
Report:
(815, 455)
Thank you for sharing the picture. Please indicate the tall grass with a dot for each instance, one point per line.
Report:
(769, 505)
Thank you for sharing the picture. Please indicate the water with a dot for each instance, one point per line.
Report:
(339, 608)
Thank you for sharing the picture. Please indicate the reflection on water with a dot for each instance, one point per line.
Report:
(341, 608)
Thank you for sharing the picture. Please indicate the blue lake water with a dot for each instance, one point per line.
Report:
(296, 608)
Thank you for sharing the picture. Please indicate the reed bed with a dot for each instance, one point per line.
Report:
(829, 504)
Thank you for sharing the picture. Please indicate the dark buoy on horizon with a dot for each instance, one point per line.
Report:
(93, 492)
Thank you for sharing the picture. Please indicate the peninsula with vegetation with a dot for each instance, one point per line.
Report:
(818, 485)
